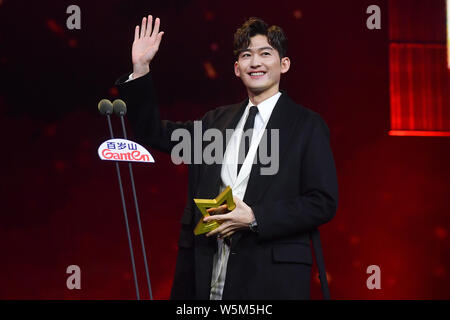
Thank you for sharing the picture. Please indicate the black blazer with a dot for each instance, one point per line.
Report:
(274, 263)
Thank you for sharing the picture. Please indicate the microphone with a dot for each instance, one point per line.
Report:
(120, 108)
(105, 107)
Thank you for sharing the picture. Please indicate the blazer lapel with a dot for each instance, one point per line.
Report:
(210, 184)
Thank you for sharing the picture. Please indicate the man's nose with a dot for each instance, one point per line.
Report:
(255, 62)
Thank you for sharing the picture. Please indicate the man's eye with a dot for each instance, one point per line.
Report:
(266, 53)
(246, 55)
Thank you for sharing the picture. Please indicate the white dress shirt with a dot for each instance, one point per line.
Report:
(238, 183)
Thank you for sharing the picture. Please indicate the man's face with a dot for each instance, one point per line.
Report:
(259, 66)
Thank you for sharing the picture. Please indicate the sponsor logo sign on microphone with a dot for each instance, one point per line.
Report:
(124, 150)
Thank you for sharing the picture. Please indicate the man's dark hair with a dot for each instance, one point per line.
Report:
(254, 26)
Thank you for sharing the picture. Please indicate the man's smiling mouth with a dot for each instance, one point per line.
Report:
(256, 75)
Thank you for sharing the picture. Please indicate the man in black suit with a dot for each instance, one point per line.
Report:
(261, 250)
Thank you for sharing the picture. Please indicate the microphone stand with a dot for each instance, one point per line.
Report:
(125, 213)
(137, 210)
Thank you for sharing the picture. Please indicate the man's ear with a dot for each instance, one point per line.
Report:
(285, 64)
(236, 69)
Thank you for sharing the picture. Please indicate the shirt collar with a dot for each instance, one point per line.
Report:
(265, 108)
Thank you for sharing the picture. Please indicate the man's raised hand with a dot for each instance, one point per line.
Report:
(145, 45)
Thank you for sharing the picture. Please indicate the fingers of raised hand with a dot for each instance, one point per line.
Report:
(145, 30)
(143, 27)
(158, 38)
(156, 29)
(148, 29)
(136, 33)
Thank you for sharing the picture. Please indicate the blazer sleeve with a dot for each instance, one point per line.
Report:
(143, 113)
(317, 202)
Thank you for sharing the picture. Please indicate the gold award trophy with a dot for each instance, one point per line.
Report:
(203, 204)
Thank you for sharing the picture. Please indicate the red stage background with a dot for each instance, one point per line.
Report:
(60, 204)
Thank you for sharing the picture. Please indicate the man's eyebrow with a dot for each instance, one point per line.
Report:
(258, 49)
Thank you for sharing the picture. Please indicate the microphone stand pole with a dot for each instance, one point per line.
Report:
(125, 214)
(137, 212)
